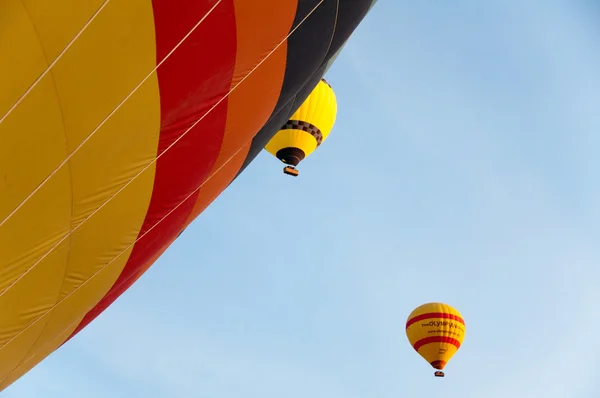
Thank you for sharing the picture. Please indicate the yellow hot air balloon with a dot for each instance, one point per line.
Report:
(308, 127)
(436, 331)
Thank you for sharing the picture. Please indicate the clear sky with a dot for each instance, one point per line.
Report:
(463, 168)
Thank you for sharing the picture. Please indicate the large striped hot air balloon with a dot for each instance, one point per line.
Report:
(436, 331)
(120, 122)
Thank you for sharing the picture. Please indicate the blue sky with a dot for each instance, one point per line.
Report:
(462, 168)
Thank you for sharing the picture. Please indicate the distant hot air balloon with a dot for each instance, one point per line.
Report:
(436, 331)
(308, 127)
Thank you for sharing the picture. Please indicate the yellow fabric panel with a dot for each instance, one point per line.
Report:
(111, 57)
(72, 14)
(104, 65)
(76, 299)
(29, 299)
(320, 110)
(22, 58)
(27, 24)
(14, 352)
(120, 150)
(35, 358)
(21, 62)
(32, 146)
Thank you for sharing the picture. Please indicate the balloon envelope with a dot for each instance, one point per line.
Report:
(436, 331)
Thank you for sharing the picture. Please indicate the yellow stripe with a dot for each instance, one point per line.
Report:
(114, 53)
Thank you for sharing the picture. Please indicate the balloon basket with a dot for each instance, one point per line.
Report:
(291, 171)
(439, 374)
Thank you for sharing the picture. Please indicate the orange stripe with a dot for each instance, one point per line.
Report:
(436, 339)
(431, 315)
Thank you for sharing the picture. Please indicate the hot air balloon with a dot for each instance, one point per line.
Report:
(436, 331)
(307, 128)
(120, 122)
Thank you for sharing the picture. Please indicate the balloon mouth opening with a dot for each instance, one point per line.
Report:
(291, 156)
(439, 365)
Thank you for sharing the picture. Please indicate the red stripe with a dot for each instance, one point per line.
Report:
(191, 81)
(436, 339)
(431, 315)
